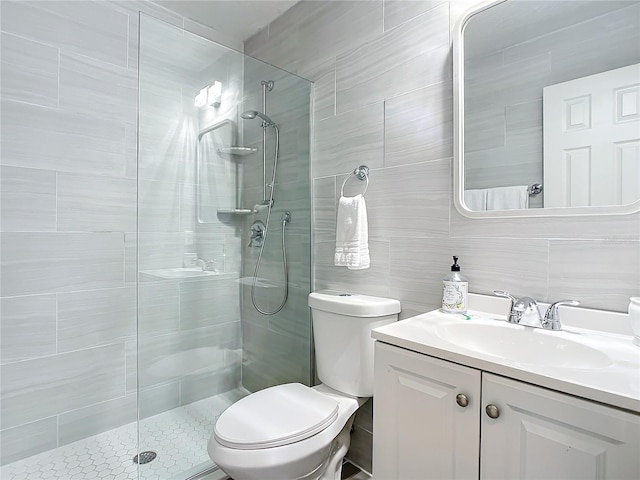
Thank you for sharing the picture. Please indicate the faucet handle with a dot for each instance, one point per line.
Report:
(500, 293)
(513, 317)
(552, 317)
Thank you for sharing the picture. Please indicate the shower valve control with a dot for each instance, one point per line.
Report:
(256, 234)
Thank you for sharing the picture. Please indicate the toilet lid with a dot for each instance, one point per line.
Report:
(274, 417)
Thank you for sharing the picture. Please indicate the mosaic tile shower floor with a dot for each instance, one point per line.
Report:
(178, 436)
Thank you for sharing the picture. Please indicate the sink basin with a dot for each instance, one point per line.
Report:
(592, 357)
(522, 345)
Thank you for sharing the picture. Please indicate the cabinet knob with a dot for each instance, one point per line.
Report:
(462, 400)
(492, 411)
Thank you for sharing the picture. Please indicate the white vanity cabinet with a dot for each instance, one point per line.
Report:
(420, 431)
(542, 434)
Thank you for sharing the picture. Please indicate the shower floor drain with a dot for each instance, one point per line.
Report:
(144, 457)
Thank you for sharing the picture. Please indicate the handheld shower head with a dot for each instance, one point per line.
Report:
(250, 114)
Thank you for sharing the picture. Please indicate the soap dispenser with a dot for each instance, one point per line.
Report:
(454, 290)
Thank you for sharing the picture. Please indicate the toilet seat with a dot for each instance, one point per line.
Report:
(275, 416)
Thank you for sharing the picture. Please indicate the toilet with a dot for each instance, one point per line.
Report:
(295, 432)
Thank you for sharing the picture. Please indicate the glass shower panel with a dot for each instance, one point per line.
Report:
(276, 348)
(217, 172)
(202, 345)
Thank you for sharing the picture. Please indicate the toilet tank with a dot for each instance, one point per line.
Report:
(342, 325)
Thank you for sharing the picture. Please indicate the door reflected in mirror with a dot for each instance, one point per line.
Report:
(548, 107)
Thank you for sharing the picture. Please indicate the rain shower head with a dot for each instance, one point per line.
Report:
(250, 114)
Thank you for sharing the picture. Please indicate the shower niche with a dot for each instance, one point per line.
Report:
(219, 172)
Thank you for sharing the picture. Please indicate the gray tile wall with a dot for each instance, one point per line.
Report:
(68, 223)
(383, 97)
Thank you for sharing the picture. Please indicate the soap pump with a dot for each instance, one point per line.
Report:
(454, 290)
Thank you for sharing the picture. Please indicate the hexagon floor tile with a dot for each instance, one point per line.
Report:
(178, 436)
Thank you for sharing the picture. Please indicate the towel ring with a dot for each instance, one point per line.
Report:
(361, 173)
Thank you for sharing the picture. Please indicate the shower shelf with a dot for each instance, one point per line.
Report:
(237, 150)
(236, 211)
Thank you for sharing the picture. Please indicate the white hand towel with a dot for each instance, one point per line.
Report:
(352, 234)
(508, 198)
(476, 200)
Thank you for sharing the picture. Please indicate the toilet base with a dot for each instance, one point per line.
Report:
(316, 458)
(339, 449)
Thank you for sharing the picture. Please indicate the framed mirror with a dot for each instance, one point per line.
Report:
(547, 108)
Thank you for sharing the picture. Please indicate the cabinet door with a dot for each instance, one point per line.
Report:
(420, 432)
(541, 434)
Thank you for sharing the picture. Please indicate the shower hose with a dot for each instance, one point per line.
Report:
(285, 219)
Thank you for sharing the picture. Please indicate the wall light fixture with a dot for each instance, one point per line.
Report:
(209, 95)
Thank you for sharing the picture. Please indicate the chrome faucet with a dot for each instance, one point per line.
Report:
(524, 311)
(207, 265)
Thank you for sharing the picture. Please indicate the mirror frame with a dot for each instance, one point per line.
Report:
(458, 143)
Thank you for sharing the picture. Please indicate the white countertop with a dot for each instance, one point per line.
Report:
(617, 383)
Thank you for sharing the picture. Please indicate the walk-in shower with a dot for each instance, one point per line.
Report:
(206, 160)
(153, 332)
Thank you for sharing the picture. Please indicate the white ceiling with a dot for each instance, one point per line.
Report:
(237, 18)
